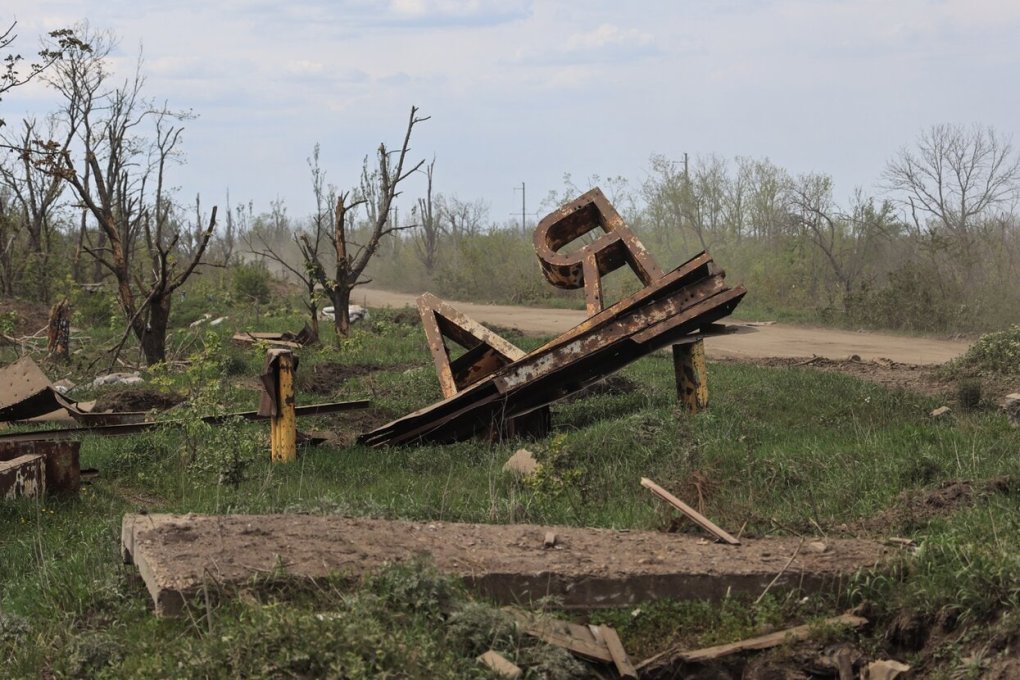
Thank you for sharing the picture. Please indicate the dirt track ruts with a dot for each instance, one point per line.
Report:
(775, 340)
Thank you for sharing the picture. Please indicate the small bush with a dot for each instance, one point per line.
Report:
(251, 283)
(994, 354)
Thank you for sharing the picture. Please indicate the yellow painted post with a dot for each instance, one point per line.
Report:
(691, 375)
(283, 426)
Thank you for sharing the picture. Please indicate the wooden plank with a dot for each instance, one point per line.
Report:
(695, 516)
(620, 659)
(570, 636)
(756, 643)
(771, 640)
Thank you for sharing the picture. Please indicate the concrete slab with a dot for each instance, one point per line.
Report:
(23, 477)
(588, 568)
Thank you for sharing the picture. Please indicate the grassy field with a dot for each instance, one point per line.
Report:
(780, 451)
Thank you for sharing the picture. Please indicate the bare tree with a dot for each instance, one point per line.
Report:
(376, 193)
(430, 227)
(118, 175)
(465, 218)
(955, 177)
(848, 241)
(36, 192)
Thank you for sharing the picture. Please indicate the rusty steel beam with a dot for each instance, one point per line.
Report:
(132, 428)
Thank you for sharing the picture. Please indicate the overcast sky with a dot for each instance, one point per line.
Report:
(526, 90)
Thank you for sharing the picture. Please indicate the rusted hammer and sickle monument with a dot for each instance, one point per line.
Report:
(497, 388)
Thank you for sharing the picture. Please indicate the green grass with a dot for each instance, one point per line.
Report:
(781, 450)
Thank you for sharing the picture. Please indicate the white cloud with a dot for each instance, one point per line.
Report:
(304, 67)
(608, 35)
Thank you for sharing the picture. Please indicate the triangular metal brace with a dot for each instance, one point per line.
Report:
(486, 351)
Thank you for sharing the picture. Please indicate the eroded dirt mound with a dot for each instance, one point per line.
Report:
(913, 509)
(326, 378)
(137, 399)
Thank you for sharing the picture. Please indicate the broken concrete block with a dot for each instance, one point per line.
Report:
(522, 463)
(500, 665)
(886, 669)
(23, 477)
(941, 412)
(550, 539)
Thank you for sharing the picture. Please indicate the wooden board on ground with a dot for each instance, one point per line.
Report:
(756, 643)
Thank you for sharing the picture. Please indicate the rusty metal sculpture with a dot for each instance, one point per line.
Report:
(493, 384)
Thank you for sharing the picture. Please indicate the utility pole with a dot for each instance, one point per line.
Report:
(524, 208)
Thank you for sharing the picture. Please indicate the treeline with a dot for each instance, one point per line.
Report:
(937, 250)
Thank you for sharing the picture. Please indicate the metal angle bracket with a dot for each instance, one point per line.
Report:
(485, 351)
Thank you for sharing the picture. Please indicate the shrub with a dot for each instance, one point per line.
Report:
(994, 353)
(251, 283)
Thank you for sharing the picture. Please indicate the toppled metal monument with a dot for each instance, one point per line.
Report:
(494, 385)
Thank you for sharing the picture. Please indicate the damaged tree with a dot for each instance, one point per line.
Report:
(119, 179)
(377, 192)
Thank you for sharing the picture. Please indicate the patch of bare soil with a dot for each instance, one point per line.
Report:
(346, 427)
(913, 509)
(137, 399)
(922, 379)
(326, 378)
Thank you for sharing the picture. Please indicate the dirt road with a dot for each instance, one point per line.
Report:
(775, 340)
